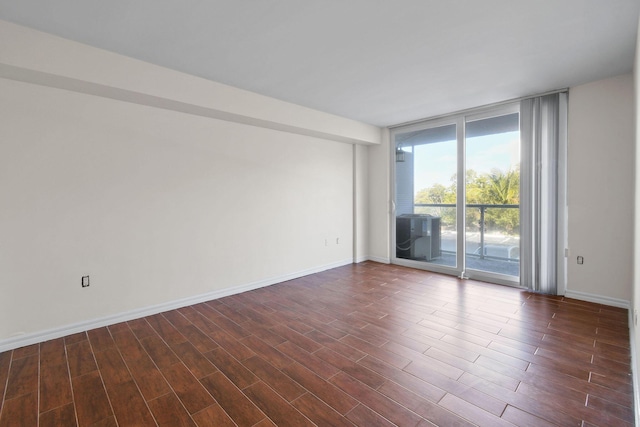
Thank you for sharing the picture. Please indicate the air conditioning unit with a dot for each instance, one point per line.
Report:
(418, 237)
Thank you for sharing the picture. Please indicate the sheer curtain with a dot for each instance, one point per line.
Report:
(543, 193)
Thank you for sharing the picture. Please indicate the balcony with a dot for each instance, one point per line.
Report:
(492, 236)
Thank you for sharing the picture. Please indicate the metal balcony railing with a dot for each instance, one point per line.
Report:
(482, 222)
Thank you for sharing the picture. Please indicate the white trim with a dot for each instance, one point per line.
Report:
(358, 260)
(41, 336)
(598, 299)
(379, 259)
(426, 266)
(498, 279)
(42, 78)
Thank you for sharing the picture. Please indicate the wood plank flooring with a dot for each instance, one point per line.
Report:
(366, 344)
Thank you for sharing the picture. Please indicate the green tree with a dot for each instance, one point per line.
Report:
(494, 188)
(503, 188)
(438, 194)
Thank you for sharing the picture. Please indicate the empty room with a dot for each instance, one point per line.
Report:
(336, 213)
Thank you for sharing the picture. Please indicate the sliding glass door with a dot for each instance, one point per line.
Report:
(426, 199)
(457, 195)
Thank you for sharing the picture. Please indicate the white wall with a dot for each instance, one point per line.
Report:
(361, 203)
(156, 205)
(600, 188)
(379, 199)
(635, 331)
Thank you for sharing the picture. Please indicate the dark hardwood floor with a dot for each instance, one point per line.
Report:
(367, 344)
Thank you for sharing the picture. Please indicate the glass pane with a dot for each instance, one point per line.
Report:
(426, 163)
(493, 195)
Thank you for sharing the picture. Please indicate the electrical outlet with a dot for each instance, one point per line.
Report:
(580, 259)
(85, 281)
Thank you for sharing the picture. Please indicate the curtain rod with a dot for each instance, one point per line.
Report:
(469, 110)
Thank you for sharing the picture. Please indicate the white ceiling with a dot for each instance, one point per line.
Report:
(382, 62)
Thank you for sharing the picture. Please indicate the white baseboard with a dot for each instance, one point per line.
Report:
(598, 299)
(41, 336)
(379, 259)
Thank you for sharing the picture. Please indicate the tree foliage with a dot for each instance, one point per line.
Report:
(494, 188)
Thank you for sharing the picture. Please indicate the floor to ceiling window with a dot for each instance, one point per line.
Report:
(457, 194)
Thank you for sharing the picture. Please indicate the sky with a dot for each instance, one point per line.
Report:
(436, 162)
